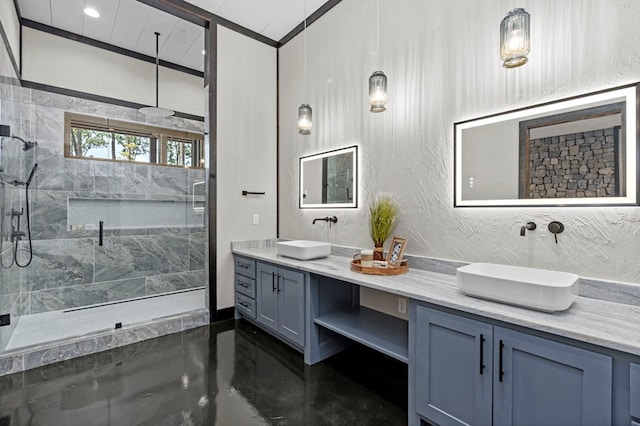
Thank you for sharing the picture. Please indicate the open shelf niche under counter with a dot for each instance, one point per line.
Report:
(338, 320)
(382, 332)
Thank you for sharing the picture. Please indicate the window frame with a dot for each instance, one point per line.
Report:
(157, 151)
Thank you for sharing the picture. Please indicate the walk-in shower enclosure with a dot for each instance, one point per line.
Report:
(149, 261)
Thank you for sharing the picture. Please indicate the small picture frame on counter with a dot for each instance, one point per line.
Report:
(396, 251)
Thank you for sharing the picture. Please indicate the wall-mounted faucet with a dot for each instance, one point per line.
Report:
(330, 219)
(556, 228)
(530, 226)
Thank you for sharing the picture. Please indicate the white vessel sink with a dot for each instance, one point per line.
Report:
(303, 249)
(540, 289)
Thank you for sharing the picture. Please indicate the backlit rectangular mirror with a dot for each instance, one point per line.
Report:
(580, 151)
(329, 179)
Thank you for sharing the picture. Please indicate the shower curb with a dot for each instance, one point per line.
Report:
(53, 352)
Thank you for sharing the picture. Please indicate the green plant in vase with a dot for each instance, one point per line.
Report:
(382, 219)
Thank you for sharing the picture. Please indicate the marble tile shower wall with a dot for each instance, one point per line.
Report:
(69, 268)
(9, 276)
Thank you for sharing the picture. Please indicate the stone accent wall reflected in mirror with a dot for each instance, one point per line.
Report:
(579, 151)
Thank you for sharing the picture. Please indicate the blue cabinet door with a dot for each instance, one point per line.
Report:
(635, 390)
(291, 305)
(453, 368)
(267, 296)
(542, 382)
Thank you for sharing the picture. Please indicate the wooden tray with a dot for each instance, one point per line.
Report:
(403, 268)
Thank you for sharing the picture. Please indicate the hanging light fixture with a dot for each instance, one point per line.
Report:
(515, 41)
(304, 119)
(378, 81)
(156, 111)
(304, 111)
(378, 91)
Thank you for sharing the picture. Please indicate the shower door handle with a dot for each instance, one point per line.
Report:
(101, 233)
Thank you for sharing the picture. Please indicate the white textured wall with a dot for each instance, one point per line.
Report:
(442, 61)
(57, 61)
(11, 25)
(246, 148)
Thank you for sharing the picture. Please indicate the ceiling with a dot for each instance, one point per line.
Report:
(130, 24)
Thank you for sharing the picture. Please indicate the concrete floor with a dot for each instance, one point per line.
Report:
(230, 373)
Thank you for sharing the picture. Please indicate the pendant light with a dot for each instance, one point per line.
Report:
(378, 81)
(515, 41)
(156, 111)
(304, 111)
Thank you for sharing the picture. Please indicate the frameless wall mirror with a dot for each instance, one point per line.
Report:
(329, 179)
(580, 151)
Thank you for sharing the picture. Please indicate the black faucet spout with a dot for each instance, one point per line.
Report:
(529, 226)
(332, 219)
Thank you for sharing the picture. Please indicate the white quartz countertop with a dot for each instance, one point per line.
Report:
(602, 323)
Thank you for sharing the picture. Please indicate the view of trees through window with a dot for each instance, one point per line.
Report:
(109, 145)
(99, 138)
(179, 153)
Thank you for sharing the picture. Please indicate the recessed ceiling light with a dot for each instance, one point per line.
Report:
(204, 51)
(89, 11)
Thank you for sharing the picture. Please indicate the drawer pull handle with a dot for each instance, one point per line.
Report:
(501, 373)
(273, 282)
(246, 305)
(278, 283)
(243, 265)
(481, 353)
(243, 284)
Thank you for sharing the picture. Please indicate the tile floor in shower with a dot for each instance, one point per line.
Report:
(58, 325)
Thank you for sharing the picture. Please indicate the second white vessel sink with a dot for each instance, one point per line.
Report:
(540, 289)
(304, 249)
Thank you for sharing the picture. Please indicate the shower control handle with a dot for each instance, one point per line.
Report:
(101, 233)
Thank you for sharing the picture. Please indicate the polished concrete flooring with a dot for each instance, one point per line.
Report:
(230, 373)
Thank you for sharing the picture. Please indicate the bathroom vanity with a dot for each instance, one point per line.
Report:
(470, 361)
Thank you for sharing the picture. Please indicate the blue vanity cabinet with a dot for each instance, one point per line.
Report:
(291, 305)
(245, 287)
(635, 393)
(473, 372)
(540, 381)
(453, 368)
(280, 301)
(267, 298)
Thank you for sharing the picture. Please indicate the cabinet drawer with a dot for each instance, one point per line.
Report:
(246, 267)
(635, 390)
(246, 286)
(245, 305)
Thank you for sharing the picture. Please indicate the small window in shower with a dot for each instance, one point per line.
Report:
(99, 138)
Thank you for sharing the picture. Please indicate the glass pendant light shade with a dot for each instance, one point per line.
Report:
(378, 91)
(304, 119)
(515, 40)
